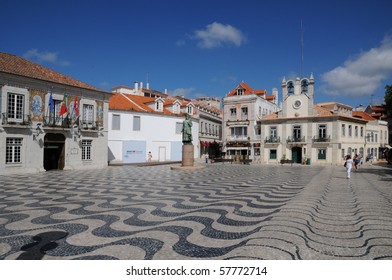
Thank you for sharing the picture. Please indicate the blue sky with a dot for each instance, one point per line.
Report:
(201, 48)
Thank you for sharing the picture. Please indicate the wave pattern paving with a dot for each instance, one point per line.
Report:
(221, 212)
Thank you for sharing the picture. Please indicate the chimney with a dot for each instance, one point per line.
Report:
(275, 94)
(141, 85)
(136, 88)
(148, 85)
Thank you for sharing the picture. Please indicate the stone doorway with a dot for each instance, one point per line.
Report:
(54, 154)
(296, 154)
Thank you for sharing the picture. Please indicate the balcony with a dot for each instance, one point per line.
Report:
(15, 119)
(60, 122)
(325, 139)
(238, 138)
(272, 140)
(90, 125)
(296, 140)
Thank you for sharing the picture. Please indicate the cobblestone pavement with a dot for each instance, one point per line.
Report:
(221, 212)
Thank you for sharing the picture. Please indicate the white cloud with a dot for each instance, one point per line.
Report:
(362, 75)
(44, 57)
(182, 91)
(216, 35)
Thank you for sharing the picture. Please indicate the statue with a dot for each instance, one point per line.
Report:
(187, 131)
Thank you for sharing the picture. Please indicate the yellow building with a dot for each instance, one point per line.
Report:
(322, 133)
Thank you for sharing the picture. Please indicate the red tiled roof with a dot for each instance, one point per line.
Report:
(377, 108)
(129, 102)
(248, 90)
(13, 64)
(363, 115)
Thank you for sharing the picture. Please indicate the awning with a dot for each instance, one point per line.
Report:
(387, 146)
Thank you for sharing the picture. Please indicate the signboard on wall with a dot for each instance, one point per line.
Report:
(134, 151)
(176, 151)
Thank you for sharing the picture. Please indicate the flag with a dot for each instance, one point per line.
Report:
(63, 108)
(76, 110)
(51, 103)
(76, 107)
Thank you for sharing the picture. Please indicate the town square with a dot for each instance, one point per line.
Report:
(222, 212)
(198, 139)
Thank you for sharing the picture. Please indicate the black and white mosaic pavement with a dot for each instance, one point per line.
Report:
(221, 212)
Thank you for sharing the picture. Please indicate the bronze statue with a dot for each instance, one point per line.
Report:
(187, 130)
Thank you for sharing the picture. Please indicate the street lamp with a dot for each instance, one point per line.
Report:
(248, 147)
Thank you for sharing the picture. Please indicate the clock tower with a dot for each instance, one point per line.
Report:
(298, 97)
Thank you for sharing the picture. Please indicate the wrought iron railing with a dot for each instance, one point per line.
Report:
(60, 121)
(90, 125)
(295, 139)
(15, 119)
(270, 139)
(318, 139)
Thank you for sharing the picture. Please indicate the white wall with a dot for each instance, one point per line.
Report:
(157, 130)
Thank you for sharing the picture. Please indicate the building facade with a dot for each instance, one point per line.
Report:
(49, 120)
(321, 133)
(242, 108)
(210, 130)
(139, 124)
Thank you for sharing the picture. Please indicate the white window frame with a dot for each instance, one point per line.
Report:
(322, 131)
(189, 110)
(114, 126)
(84, 101)
(13, 154)
(87, 150)
(178, 128)
(136, 119)
(5, 90)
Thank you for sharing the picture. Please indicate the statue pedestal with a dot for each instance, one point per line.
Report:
(188, 155)
(188, 159)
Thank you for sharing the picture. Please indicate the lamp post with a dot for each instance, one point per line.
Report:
(367, 139)
(248, 146)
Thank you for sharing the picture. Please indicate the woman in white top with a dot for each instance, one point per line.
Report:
(349, 165)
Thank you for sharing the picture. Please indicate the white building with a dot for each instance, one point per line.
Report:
(242, 108)
(139, 124)
(33, 135)
(210, 133)
(321, 133)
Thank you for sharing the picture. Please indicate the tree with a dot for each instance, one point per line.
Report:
(388, 99)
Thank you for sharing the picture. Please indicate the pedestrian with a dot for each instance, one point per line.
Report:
(348, 164)
(149, 156)
(356, 162)
(206, 158)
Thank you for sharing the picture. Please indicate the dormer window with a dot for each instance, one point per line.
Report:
(240, 91)
(189, 110)
(159, 106)
(176, 108)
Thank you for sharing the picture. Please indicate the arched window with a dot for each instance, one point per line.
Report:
(304, 86)
(290, 87)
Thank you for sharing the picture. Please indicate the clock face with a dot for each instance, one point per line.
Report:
(297, 104)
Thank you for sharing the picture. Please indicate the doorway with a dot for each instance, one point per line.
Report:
(54, 154)
(296, 154)
(162, 153)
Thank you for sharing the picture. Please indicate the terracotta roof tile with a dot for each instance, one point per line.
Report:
(129, 102)
(13, 64)
(248, 90)
(363, 115)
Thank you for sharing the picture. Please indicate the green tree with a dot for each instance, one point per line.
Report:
(388, 99)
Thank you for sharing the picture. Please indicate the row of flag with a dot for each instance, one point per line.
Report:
(63, 107)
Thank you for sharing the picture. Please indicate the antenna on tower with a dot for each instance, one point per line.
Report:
(302, 50)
